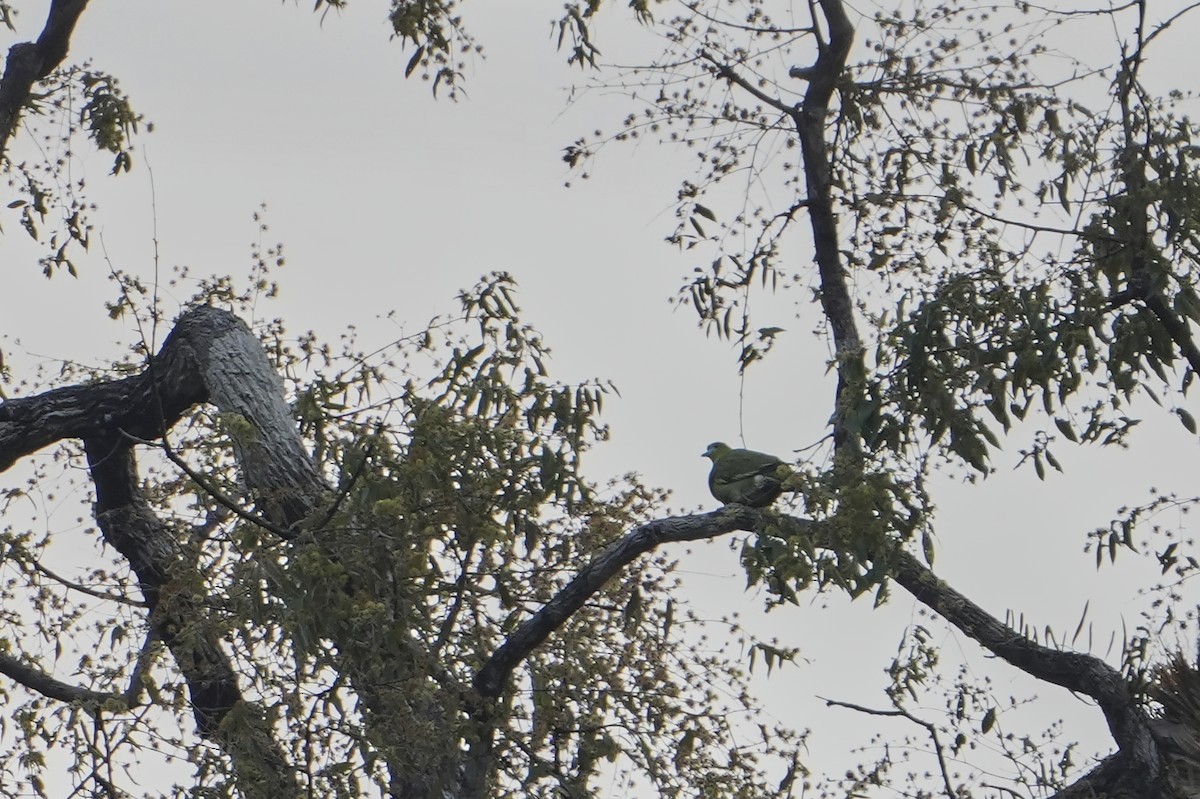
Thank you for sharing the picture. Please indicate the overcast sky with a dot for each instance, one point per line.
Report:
(387, 200)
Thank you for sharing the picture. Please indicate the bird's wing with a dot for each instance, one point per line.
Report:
(744, 466)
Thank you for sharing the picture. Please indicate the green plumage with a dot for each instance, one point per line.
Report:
(743, 475)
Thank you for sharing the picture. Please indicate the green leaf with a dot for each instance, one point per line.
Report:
(1065, 428)
(414, 61)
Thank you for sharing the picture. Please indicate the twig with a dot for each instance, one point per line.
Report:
(902, 713)
(210, 489)
(345, 490)
(83, 589)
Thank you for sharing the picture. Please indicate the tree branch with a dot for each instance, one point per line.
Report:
(1081, 673)
(533, 632)
(930, 728)
(29, 62)
(1075, 671)
(177, 617)
(211, 490)
(44, 684)
(726, 72)
(836, 303)
(209, 356)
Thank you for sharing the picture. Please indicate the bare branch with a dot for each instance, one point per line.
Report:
(83, 589)
(726, 72)
(930, 728)
(48, 686)
(616, 556)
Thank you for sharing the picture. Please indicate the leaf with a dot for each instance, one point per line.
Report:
(1050, 459)
(414, 61)
(1167, 559)
(706, 213)
(1082, 617)
(1065, 428)
(1189, 422)
(989, 719)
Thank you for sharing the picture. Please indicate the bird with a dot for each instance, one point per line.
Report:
(743, 475)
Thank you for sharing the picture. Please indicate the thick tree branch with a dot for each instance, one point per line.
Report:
(532, 633)
(178, 618)
(29, 62)
(209, 356)
(810, 122)
(48, 686)
(144, 405)
(1084, 674)
(53, 688)
(491, 680)
(1139, 753)
(810, 118)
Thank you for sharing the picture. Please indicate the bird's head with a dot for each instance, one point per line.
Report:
(716, 450)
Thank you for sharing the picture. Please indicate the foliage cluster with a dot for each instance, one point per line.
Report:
(460, 510)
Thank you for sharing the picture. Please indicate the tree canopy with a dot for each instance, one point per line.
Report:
(385, 571)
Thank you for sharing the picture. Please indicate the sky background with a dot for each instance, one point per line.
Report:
(389, 201)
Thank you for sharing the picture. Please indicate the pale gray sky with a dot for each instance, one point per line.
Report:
(389, 201)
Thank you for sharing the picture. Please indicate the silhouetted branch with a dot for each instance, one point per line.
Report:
(616, 556)
(902, 713)
(29, 62)
(1075, 671)
(44, 684)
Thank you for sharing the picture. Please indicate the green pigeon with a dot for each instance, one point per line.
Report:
(743, 475)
